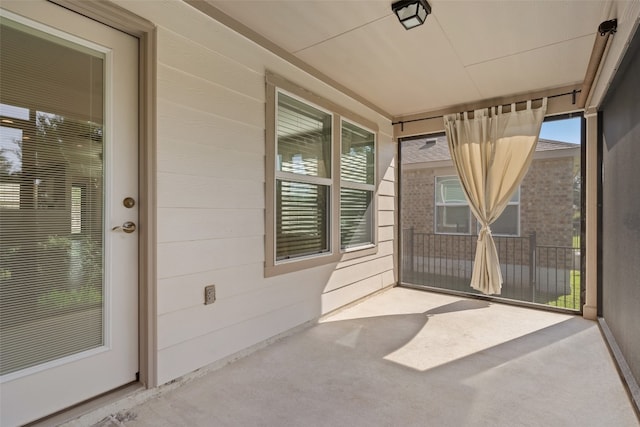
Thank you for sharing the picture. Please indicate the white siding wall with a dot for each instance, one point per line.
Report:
(211, 173)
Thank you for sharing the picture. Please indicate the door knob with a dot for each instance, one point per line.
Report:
(127, 227)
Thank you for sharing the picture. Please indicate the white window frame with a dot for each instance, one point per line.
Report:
(273, 267)
(445, 204)
(437, 204)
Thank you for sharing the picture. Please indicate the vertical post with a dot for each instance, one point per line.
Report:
(532, 265)
(592, 216)
(411, 243)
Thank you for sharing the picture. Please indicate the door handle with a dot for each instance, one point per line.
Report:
(127, 227)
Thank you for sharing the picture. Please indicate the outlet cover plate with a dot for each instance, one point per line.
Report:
(209, 294)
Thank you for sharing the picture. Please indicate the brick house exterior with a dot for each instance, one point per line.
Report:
(546, 192)
(545, 226)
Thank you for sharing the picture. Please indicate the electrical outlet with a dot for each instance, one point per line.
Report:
(209, 294)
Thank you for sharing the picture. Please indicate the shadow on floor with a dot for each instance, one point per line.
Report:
(545, 369)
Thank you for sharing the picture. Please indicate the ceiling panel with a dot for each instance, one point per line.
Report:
(484, 30)
(294, 25)
(393, 67)
(466, 51)
(553, 66)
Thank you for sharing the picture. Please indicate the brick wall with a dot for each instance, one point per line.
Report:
(546, 200)
(417, 199)
(546, 204)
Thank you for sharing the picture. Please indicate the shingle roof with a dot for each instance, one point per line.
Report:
(433, 149)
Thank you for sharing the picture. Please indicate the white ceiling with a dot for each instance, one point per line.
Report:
(466, 51)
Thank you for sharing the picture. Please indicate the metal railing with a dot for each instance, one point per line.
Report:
(531, 272)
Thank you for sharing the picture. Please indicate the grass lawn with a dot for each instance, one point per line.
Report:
(572, 300)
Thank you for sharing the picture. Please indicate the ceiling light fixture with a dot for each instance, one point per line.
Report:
(411, 13)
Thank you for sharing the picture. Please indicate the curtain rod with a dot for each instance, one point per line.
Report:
(573, 93)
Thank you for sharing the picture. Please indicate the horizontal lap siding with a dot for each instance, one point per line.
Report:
(191, 191)
(184, 292)
(180, 258)
(360, 277)
(185, 224)
(220, 343)
(210, 195)
(174, 118)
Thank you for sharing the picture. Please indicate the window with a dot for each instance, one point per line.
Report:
(452, 210)
(453, 215)
(508, 223)
(320, 181)
(357, 175)
(303, 179)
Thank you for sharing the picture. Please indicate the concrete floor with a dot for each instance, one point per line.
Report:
(410, 358)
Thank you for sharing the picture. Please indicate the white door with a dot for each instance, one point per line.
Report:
(68, 209)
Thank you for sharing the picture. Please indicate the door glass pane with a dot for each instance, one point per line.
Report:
(51, 198)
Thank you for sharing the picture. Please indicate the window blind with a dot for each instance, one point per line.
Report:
(51, 202)
(301, 219)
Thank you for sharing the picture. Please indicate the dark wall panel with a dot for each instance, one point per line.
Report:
(621, 208)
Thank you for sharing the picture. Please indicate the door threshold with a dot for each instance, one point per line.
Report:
(106, 403)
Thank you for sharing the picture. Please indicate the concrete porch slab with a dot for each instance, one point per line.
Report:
(410, 358)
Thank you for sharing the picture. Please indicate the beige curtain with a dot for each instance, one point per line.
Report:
(492, 152)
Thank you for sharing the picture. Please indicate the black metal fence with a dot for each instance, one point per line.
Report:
(535, 273)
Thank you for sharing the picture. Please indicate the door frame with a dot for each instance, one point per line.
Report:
(123, 20)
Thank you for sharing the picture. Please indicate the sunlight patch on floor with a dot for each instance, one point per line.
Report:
(454, 327)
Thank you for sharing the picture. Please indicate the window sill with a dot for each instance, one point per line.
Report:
(301, 263)
(358, 248)
(304, 263)
(357, 252)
